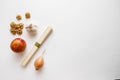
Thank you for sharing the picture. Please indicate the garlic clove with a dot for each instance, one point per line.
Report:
(39, 62)
(31, 29)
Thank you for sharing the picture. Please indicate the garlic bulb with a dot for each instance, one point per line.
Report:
(31, 29)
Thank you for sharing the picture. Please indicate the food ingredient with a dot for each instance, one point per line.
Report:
(18, 17)
(36, 46)
(27, 15)
(39, 62)
(31, 29)
(18, 45)
(16, 28)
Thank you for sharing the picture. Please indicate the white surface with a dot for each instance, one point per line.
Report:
(85, 44)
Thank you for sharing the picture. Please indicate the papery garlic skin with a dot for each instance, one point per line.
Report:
(31, 29)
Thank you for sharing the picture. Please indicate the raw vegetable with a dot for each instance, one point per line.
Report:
(18, 45)
(39, 62)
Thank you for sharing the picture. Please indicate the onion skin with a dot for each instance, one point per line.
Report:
(39, 62)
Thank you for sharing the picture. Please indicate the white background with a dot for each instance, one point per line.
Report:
(85, 43)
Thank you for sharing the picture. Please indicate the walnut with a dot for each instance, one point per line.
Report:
(27, 15)
(12, 24)
(18, 17)
(16, 28)
(19, 32)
